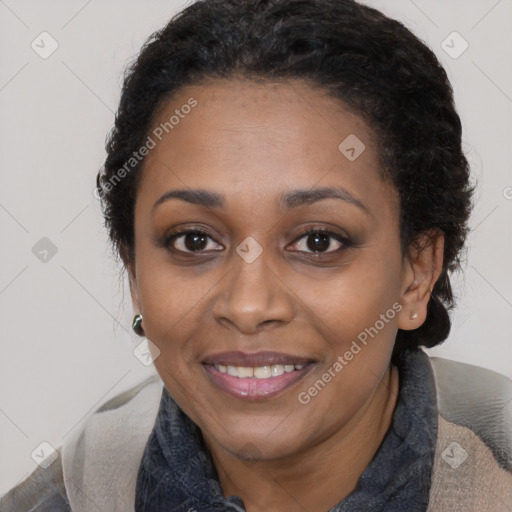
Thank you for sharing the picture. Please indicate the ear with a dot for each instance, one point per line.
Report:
(422, 267)
(129, 265)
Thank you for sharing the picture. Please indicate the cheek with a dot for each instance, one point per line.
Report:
(355, 314)
(172, 299)
(353, 299)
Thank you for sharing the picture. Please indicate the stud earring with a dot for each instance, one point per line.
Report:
(137, 325)
(413, 316)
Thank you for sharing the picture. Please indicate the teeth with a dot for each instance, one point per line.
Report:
(263, 372)
(244, 371)
(259, 372)
(276, 370)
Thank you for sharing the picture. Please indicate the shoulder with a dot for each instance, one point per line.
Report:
(42, 491)
(473, 459)
(103, 458)
(479, 399)
(97, 466)
(466, 475)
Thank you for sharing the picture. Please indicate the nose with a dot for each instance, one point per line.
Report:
(252, 297)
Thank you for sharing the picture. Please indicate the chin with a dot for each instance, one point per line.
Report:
(258, 445)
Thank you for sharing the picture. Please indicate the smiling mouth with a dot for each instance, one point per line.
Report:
(255, 376)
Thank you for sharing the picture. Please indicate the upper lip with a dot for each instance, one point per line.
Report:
(263, 358)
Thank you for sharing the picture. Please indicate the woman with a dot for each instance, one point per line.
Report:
(286, 188)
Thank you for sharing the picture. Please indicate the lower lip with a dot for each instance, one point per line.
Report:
(253, 388)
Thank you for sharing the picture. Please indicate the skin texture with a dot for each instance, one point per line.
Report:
(252, 143)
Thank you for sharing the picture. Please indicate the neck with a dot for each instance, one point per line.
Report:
(325, 475)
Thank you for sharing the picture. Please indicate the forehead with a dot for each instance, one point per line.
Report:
(253, 140)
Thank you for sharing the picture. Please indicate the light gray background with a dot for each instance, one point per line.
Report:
(65, 323)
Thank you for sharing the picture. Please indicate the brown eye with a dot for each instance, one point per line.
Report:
(191, 241)
(320, 242)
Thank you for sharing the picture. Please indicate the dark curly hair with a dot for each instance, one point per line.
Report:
(373, 64)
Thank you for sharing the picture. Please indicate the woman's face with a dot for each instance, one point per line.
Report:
(253, 168)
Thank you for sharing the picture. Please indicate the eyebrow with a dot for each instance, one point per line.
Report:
(288, 200)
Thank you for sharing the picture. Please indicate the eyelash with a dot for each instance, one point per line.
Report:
(345, 242)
